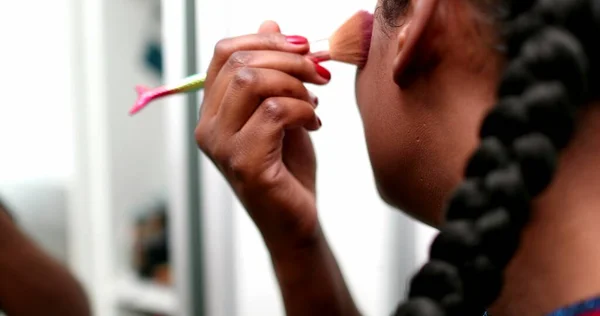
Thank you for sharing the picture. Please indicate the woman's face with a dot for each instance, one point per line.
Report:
(419, 133)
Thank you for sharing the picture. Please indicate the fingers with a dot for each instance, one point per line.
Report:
(266, 41)
(277, 114)
(269, 27)
(259, 140)
(251, 85)
(299, 66)
(238, 73)
(262, 136)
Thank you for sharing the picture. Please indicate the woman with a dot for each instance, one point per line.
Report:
(518, 236)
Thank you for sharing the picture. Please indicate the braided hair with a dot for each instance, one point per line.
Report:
(549, 46)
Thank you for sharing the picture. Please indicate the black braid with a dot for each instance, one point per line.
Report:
(548, 74)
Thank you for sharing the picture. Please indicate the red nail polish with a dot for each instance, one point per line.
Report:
(323, 72)
(313, 98)
(317, 60)
(296, 40)
(320, 123)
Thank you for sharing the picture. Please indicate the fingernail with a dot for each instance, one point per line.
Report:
(317, 60)
(323, 72)
(313, 98)
(296, 40)
(319, 121)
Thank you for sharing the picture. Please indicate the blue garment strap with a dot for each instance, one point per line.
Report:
(588, 306)
(584, 307)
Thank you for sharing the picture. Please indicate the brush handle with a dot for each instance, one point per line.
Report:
(319, 53)
(146, 95)
(319, 50)
(191, 83)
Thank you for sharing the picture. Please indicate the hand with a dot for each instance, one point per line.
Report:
(254, 125)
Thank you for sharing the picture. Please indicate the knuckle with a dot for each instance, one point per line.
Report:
(274, 40)
(207, 139)
(245, 77)
(270, 176)
(223, 47)
(290, 91)
(298, 90)
(274, 110)
(239, 168)
(239, 59)
(221, 154)
(302, 63)
(200, 135)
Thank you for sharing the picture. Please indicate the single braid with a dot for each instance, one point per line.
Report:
(547, 77)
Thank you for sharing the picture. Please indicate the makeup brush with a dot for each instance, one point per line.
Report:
(348, 44)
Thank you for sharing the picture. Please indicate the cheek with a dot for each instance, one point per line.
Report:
(374, 82)
(397, 133)
(400, 146)
(378, 97)
(385, 126)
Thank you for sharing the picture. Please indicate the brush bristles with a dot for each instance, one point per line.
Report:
(351, 42)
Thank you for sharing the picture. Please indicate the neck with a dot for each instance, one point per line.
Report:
(557, 263)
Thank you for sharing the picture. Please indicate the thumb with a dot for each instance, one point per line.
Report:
(269, 27)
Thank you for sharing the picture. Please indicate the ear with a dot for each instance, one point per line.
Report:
(410, 35)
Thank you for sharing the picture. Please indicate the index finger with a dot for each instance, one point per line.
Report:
(263, 41)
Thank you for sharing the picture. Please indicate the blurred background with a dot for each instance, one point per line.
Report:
(128, 203)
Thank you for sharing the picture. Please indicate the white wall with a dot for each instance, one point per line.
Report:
(68, 68)
(35, 118)
(120, 160)
(377, 247)
(137, 144)
(35, 126)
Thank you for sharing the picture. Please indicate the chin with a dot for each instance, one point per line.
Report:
(387, 197)
(412, 201)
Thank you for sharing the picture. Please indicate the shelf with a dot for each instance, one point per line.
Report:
(145, 296)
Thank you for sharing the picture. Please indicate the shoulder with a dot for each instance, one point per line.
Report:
(590, 307)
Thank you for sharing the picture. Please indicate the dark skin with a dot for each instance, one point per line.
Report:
(32, 282)
(263, 149)
(427, 86)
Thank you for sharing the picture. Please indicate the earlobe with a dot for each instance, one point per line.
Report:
(410, 35)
